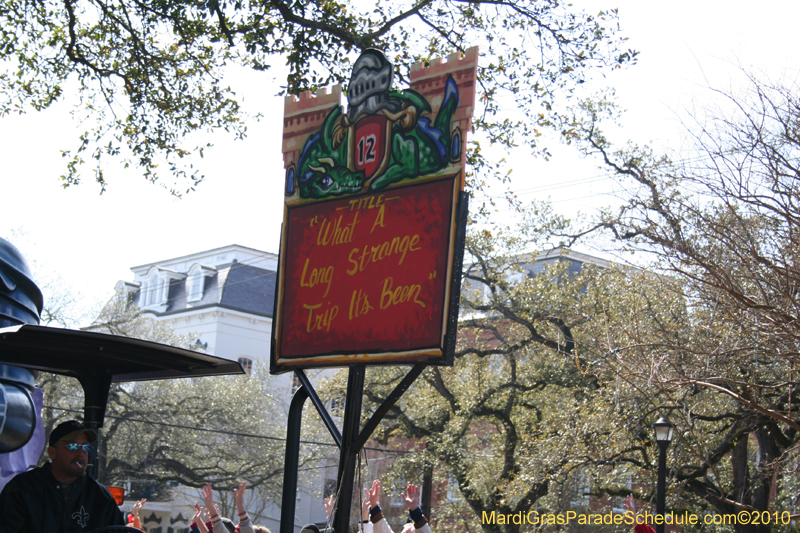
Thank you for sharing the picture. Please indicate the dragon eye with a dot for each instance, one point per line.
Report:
(326, 182)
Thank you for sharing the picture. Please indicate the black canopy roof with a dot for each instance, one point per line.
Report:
(99, 359)
(71, 352)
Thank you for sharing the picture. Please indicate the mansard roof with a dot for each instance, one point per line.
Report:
(206, 257)
(536, 263)
(236, 286)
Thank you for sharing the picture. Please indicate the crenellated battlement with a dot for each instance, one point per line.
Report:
(436, 67)
(325, 97)
(303, 115)
(430, 80)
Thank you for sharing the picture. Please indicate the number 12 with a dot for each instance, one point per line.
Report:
(366, 149)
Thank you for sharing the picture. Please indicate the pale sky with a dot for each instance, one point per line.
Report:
(92, 240)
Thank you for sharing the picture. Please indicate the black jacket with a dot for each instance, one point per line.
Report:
(33, 503)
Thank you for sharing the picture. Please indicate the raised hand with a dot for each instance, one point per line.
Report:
(629, 503)
(208, 497)
(411, 497)
(198, 518)
(240, 498)
(374, 493)
(138, 506)
(365, 509)
(328, 505)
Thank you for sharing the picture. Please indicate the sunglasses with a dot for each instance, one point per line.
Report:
(74, 447)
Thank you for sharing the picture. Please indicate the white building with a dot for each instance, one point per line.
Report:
(224, 297)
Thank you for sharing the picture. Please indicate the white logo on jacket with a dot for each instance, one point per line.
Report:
(82, 517)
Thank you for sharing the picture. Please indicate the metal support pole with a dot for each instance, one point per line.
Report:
(323, 413)
(291, 460)
(661, 483)
(95, 396)
(348, 456)
(427, 487)
(384, 407)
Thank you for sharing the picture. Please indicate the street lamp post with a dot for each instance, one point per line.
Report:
(664, 431)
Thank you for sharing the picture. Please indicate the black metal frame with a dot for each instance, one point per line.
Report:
(350, 442)
(661, 489)
(353, 438)
(292, 459)
(347, 459)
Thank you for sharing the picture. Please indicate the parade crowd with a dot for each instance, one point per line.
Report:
(59, 497)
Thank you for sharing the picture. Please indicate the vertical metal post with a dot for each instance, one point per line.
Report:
(661, 483)
(292, 460)
(348, 456)
(93, 468)
(427, 486)
(96, 387)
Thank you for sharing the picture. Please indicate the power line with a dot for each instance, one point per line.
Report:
(222, 432)
(522, 192)
(592, 179)
(560, 185)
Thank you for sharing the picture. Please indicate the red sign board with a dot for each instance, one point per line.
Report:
(374, 217)
(367, 275)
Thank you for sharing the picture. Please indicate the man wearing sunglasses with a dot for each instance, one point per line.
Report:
(59, 497)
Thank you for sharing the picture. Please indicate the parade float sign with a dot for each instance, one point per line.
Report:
(374, 217)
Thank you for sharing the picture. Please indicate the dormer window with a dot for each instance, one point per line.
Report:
(126, 289)
(197, 280)
(154, 294)
(149, 294)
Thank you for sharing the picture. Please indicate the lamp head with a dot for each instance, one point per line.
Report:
(664, 430)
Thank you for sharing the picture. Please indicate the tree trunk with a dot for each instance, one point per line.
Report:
(741, 470)
(753, 491)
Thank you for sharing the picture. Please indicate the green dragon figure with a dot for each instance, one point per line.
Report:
(382, 139)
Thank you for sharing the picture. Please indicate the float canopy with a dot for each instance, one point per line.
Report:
(99, 359)
(77, 353)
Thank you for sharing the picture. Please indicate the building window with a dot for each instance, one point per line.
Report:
(196, 287)
(144, 299)
(580, 489)
(163, 290)
(247, 364)
(152, 293)
(152, 290)
(155, 288)
(197, 281)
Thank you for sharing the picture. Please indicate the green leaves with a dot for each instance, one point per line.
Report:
(526, 412)
(719, 218)
(158, 66)
(195, 430)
